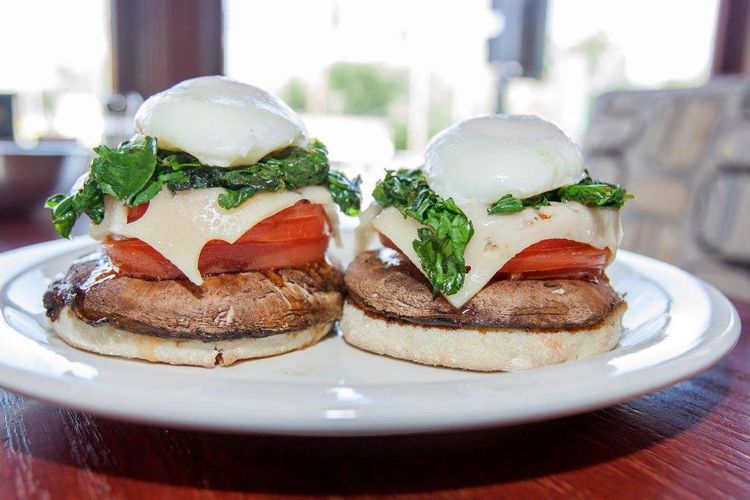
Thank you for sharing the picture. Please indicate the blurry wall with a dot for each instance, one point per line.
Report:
(685, 154)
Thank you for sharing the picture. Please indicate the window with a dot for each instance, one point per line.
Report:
(56, 63)
(376, 79)
(372, 78)
(595, 46)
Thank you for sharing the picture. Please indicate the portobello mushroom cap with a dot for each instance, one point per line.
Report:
(509, 325)
(386, 283)
(230, 316)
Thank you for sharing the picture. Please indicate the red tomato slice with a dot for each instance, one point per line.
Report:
(557, 258)
(554, 258)
(135, 213)
(293, 237)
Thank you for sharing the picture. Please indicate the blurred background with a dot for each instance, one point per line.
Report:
(656, 92)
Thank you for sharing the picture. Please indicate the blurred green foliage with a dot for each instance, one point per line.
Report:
(366, 89)
(295, 95)
(376, 90)
(400, 133)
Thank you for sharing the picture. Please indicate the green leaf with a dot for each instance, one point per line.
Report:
(233, 198)
(136, 171)
(63, 213)
(66, 209)
(148, 192)
(507, 204)
(286, 170)
(538, 201)
(345, 193)
(90, 200)
(440, 246)
(177, 160)
(124, 171)
(595, 194)
(588, 192)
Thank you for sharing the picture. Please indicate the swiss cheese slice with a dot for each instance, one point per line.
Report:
(179, 225)
(497, 238)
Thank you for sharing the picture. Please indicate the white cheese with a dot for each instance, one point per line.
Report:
(178, 226)
(364, 232)
(497, 238)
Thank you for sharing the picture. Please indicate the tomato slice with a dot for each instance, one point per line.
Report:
(557, 258)
(553, 258)
(135, 213)
(293, 237)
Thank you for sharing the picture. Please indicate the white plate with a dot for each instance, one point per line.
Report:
(676, 326)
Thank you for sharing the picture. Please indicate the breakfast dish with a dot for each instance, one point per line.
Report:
(675, 327)
(494, 253)
(214, 220)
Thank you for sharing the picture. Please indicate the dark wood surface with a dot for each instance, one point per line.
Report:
(690, 440)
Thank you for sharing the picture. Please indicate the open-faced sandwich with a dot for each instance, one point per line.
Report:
(494, 253)
(214, 221)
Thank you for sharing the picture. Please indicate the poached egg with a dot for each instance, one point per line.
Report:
(222, 122)
(482, 159)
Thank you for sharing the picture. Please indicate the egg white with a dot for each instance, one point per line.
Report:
(220, 121)
(481, 159)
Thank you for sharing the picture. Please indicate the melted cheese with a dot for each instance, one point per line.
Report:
(364, 232)
(497, 238)
(178, 226)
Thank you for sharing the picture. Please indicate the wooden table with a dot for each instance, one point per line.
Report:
(692, 439)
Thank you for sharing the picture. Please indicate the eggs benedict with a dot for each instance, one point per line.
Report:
(494, 253)
(214, 220)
